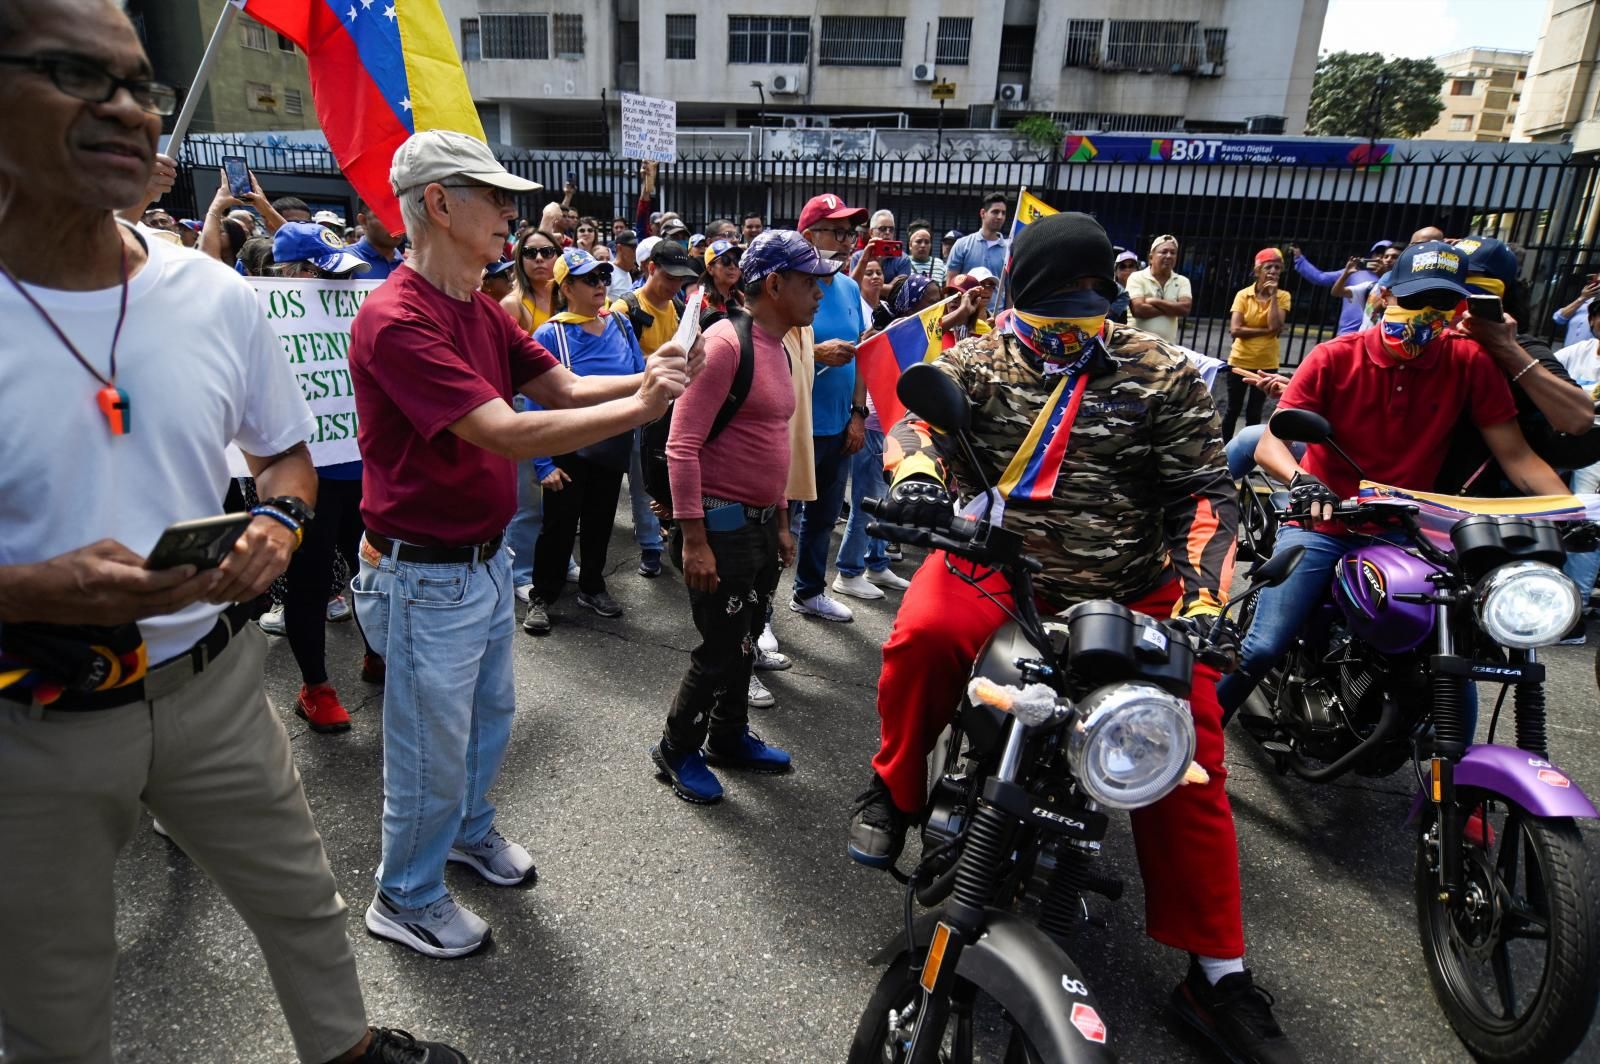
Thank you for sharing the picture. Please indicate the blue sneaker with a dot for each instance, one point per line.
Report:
(687, 773)
(650, 564)
(747, 752)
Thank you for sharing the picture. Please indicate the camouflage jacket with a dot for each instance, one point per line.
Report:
(1143, 490)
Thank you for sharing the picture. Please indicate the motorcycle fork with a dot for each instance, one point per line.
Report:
(943, 957)
(1449, 744)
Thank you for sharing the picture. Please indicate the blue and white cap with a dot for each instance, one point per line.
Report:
(781, 251)
(316, 244)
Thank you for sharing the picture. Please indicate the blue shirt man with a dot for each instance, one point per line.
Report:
(1351, 311)
(988, 247)
(379, 250)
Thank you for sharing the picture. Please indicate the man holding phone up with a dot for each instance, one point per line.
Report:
(130, 365)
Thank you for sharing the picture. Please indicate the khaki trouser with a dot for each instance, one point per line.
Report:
(212, 761)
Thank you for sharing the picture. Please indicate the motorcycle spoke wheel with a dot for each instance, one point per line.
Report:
(977, 1031)
(1515, 957)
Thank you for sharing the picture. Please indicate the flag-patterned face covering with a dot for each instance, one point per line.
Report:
(1407, 333)
(1059, 341)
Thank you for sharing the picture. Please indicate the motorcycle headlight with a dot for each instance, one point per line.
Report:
(1527, 604)
(1131, 745)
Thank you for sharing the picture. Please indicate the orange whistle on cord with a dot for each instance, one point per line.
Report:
(114, 405)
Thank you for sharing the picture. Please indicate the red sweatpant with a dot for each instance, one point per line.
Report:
(1188, 852)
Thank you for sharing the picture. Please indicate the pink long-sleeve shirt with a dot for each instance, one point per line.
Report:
(748, 462)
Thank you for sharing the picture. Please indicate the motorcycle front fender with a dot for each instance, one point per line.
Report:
(1532, 782)
(1033, 979)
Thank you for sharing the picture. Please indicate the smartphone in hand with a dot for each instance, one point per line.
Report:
(238, 176)
(886, 249)
(202, 543)
(1486, 307)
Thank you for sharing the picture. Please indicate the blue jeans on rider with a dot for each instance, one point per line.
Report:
(1282, 612)
(1584, 568)
(646, 528)
(858, 551)
(445, 633)
(816, 529)
(1242, 450)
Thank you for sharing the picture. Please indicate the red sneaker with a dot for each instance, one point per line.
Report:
(372, 668)
(322, 709)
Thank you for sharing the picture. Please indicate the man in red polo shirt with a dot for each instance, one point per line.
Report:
(1394, 396)
(434, 363)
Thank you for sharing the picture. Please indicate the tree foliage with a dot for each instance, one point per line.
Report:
(1041, 130)
(1353, 88)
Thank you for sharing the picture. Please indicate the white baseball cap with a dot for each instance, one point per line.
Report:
(646, 246)
(437, 154)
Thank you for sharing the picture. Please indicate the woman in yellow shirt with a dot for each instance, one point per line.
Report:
(1259, 312)
(529, 303)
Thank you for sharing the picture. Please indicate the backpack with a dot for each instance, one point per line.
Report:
(653, 436)
(640, 318)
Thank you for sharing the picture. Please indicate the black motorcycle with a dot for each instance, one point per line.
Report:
(1062, 720)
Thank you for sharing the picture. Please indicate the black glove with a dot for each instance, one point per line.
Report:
(1307, 492)
(919, 501)
(1215, 639)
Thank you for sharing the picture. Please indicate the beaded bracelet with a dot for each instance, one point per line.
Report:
(282, 518)
(1523, 370)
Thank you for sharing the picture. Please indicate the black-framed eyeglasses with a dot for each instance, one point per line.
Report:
(88, 81)
(540, 253)
(587, 229)
(500, 196)
(599, 277)
(841, 233)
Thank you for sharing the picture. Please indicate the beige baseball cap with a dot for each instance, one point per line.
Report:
(440, 154)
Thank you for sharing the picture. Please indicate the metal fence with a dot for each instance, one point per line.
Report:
(1222, 214)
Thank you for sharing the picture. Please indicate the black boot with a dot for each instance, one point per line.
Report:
(1235, 1016)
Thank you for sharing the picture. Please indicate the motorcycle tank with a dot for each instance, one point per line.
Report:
(1365, 585)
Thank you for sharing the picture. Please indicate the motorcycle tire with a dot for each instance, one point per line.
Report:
(1520, 871)
(897, 989)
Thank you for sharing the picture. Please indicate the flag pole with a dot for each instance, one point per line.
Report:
(202, 74)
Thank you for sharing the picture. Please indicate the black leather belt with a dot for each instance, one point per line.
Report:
(759, 514)
(161, 679)
(414, 552)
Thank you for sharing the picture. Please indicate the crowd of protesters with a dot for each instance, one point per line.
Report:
(502, 371)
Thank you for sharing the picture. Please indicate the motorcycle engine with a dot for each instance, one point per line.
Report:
(1326, 717)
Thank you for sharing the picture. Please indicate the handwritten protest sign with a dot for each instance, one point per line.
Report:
(312, 320)
(649, 128)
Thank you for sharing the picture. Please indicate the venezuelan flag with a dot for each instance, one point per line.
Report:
(1438, 514)
(1033, 470)
(1030, 209)
(380, 71)
(914, 338)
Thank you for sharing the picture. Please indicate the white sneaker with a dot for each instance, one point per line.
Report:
(443, 929)
(768, 641)
(856, 587)
(760, 697)
(572, 571)
(155, 825)
(887, 578)
(524, 593)
(271, 622)
(771, 661)
(497, 859)
(338, 608)
(820, 605)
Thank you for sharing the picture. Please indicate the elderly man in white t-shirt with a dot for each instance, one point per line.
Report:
(1159, 296)
(130, 365)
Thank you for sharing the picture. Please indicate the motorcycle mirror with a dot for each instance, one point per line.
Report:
(1300, 426)
(933, 397)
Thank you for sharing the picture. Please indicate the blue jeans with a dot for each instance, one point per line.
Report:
(1242, 450)
(859, 551)
(1585, 567)
(646, 529)
(445, 633)
(522, 534)
(817, 518)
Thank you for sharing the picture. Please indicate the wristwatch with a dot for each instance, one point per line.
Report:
(860, 411)
(292, 505)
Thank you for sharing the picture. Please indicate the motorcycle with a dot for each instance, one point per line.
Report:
(1508, 910)
(1062, 720)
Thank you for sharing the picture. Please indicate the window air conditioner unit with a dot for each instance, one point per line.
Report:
(794, 121)
(785, 83)
(1011, 93)
(922, 72)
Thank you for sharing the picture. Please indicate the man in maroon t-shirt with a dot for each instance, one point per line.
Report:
(434, 363)
(1394, 395)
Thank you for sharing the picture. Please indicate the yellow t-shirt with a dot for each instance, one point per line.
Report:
(1256, 352)
(661, 330)
(539, 316)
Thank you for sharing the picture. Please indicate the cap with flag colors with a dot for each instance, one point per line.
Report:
(381, 70)
(916, 338)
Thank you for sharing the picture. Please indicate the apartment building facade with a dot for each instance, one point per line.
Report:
(1482, 90)
(1561, 101)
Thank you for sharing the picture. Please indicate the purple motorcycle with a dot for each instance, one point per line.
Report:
(1508, 905)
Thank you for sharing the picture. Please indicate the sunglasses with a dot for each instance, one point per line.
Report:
(587, 229)
(92, 83)
(730, 259)
(599, 277)
(540, 253)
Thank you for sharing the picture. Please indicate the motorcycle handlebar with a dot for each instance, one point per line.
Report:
(964, 538)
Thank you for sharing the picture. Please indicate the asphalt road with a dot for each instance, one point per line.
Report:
(665, 932)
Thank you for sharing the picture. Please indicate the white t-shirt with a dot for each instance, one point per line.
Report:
(1582, 363)
(1143, 285)
(201, 367)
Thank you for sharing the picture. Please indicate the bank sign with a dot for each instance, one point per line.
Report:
(1225, 151)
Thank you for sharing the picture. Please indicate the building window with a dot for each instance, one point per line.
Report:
(1217, 46)
(1502, 79)
(869, 42)
(627, 41)
(680, 37)
(1153, 45)
(471, 45)
(514, 36)
(1461, 123)
(285, 44)
(1497, 101)
(568, 33)
(955, 42)
(758, 39)
(292, 104)
(258, 96)
(1016, 49)
(1461, 87)
(255, 34)
(1491, 123)
(1083, 42)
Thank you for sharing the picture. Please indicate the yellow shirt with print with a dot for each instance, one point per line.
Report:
(661, 330)
(1256, 352)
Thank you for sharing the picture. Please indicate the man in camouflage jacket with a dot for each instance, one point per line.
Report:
(1139, 508)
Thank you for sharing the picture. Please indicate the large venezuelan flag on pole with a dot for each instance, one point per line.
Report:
(915, 338)
(380, 71)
